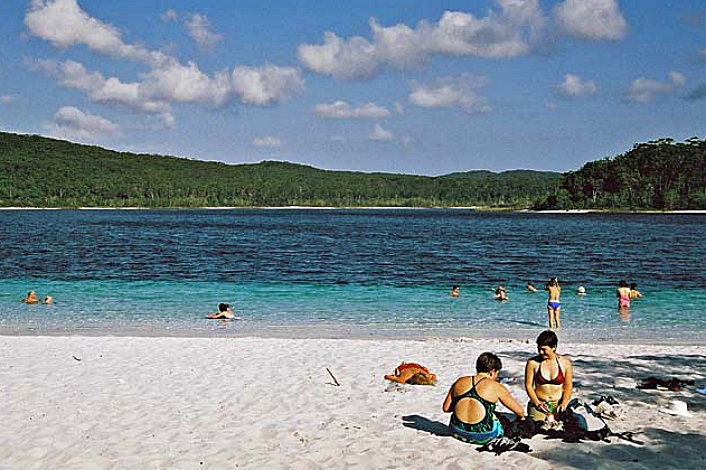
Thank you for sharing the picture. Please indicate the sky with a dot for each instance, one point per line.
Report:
(420, 87)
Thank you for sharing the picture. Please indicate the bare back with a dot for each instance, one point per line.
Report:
(468, 409)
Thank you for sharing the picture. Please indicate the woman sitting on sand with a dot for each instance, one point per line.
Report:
(472, 400)
(548, 379)
(31, 298)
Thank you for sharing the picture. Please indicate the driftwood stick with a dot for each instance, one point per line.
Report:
(334, 378)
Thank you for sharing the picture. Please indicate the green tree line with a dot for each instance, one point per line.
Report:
(41, 172)
(660, 174)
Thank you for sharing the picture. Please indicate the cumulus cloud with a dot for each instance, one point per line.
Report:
(343, 110)
(575, 87)
(266, 142)
(451, 92)
(644, 90)
(169, 15)
(199, 29)
(64, 24)
(379, 134)
(591, 19)
(506, 31)
(72, 123)
(6, 99)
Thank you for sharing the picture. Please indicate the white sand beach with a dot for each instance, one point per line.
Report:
(122, 402)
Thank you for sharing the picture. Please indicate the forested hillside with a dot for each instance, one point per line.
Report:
(660, 174)
(42, 172)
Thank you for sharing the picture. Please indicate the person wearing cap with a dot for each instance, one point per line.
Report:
(581, 290)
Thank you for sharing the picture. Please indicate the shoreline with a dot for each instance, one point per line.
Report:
(380, 208)
(200, 403)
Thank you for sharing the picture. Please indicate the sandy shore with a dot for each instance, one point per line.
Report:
(269, 403)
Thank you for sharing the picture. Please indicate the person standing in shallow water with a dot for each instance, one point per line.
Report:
(623, 293)
(454, 291)
(553, 304)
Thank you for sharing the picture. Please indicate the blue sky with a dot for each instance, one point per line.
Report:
(425, 87)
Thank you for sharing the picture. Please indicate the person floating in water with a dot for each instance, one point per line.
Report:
(31, 298)
(500, 294)
(581, 291)
(472, 399)
(454, 291)
(224, 313)
(48, 300)
(530, 287)
(634, 293)
(553, 304)
(623, 293)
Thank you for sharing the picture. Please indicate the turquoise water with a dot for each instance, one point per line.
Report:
(349, 273)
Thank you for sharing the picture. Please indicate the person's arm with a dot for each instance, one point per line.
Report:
(446, 407)
(568, 389)
(529, 386)
(509, 401)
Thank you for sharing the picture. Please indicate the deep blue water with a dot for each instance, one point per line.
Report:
(348, 270)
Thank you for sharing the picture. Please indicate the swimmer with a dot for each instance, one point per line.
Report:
(581, 291)
(31, 298)
(500, 294)
(224, 313)
(48, 300)
(623, 293)
(634, 293)
(553, 304)
(454, 291)
(530, 287)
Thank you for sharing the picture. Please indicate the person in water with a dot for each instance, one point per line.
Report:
(581, 291)
(224, 313)
(454, 291)
(634, 293)
(472, 399)
(500, 294)
(553, 304)
(48, 300)
(623, 293)
(548, 379)
(530, 287)
(31, 298)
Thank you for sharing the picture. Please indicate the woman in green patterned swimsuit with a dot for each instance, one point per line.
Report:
(472, 400)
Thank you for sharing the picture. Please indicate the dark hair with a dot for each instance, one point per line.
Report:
(487, 362)
(454, 287)
(547, 338)
(633, 285)
(223, 307)
(622, 283)
(553, 281)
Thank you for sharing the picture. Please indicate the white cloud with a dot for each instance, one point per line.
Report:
(644, 90)
(343, 110)
(266, 85)
(575, 87)
(169, 15)
(72, 123)
(379, 134)
(507, 31)
(268, 142)
(199, 29)
(451, 92)
(591, 19)
(6, 99)
(65, 24)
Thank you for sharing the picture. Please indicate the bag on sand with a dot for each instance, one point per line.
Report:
(581, 419)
